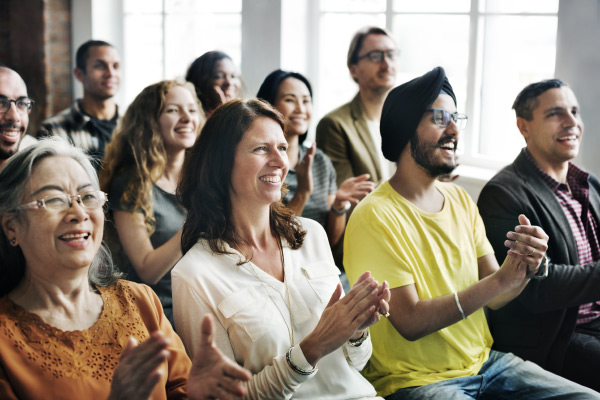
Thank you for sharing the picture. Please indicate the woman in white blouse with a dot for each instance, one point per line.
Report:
(267, 277)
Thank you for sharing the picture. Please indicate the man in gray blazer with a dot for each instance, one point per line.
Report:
(350, 135)
(555, 321)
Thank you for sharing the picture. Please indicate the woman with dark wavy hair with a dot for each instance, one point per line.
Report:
(267, 277)
(69, 327)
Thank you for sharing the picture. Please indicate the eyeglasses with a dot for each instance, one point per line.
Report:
(377, 55)
(23, 104)
(62, 202)
(442, 118)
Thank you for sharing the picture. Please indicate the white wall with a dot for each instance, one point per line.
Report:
(578, 64)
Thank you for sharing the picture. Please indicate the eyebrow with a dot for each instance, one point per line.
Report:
(55, 187)
(18, 98)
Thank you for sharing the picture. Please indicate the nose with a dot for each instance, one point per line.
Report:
(76, 211)
(452, 128)
(572, 120)
(279, 159)
(12, 114)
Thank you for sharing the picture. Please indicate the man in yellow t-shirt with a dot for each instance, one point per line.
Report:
(427, 240)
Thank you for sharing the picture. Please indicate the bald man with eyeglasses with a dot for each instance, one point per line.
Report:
(15, 107)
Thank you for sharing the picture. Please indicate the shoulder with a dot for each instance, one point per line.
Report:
(339, 116)
(199, 260)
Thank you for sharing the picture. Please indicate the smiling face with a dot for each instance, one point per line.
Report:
(294, 102)
(260, 165)
(58, 241)
(179, 119)
(372, 76)
(226, 79)
(554, 132)
(102, 75)
(434, 147)
(13, 123)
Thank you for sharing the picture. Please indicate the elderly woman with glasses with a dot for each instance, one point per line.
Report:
(69, 328)
(267, 277)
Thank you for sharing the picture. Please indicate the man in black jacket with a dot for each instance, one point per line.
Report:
(554, 321)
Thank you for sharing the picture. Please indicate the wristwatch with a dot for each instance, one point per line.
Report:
(345, 208)
(542, 272)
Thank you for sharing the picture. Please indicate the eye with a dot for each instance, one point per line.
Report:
(261, 148)
(283, 148)
(193, 110)
(172, 110)
(218, 76)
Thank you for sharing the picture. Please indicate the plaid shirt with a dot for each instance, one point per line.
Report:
(81, 130)
(573, 197)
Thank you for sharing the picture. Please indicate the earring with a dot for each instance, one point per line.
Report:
(13, 242)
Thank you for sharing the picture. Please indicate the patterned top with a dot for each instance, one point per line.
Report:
(323, 174)
(39, 361)
(81, 130)
(573, 198)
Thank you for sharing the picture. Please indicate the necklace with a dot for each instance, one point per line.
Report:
(290, 329)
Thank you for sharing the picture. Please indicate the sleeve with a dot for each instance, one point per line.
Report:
(6, 391)
(179, 364)
(358, 357)
(332, 139)
(566, 285)
(275, 381)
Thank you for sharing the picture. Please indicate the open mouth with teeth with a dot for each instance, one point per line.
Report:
(566, 138)
(270, 179)
(448, 145)
(74, 237)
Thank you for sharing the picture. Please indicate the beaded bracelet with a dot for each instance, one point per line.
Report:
(360, 340)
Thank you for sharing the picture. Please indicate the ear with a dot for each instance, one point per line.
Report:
(79, 74)
(523, 126)
(9, 226)
(353, 71)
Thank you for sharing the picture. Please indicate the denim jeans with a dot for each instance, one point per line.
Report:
(502, 376)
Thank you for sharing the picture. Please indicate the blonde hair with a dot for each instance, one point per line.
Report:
(137, 147)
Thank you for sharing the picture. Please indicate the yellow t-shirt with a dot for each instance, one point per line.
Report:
(437, 252)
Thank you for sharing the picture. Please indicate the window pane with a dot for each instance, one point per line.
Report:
(142, 56)
(336, 86)
(353, 5)
(520, 6)
(142, 6)
(435, 6)
(423, 46)
(204, 6)
(513, 58)
(189, 35)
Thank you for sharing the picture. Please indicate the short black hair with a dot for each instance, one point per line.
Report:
(83, 52)
(526, 100)
(270, 86)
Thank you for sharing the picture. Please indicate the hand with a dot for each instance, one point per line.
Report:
(139, 370)
(343, 317)
(353, 190)
(220, 94)
(213, 375)
(529, 243)
(304, 171)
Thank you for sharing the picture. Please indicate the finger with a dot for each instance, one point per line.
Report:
(523, 220)
(235, 371)
(362, 178)
(231, 385)
(207, 332)
(131, 344)
(222, 393)
(357, 288)
(363, 276)
(312, 149)
(335, 296)
(145, 388)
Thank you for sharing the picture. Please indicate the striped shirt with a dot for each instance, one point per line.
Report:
(573, 198)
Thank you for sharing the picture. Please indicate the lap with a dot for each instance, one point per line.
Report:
(582, 358)
(503, 376)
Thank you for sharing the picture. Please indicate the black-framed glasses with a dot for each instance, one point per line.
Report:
(442, 118)
(377, 55)
(63, 201)
(23, 104)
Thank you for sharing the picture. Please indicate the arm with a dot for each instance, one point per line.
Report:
(150, 264)
(305, 182)
(566, 285)
(352, 190)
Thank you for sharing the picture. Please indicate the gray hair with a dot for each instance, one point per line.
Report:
(14, 178)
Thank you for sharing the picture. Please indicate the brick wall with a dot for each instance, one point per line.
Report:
(35, 40)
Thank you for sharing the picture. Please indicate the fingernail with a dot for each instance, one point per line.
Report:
(510, 235)
(507, 243)
(518, 229)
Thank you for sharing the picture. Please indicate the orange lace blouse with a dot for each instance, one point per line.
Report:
(38, 361)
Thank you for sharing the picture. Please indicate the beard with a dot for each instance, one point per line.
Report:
(423, 154)
(8, 150)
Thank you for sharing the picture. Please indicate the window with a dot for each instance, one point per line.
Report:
(490, 50)
(163, 37)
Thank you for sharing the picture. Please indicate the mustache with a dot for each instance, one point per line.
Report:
(11, 125)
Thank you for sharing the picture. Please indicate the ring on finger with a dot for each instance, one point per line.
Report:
(532, 251)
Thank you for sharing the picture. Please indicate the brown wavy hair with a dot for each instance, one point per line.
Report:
(205, 186)
(137, 148)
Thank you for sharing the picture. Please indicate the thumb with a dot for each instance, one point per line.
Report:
(335, 296)
(362, 178)
(207, 337)
(131, 344)
(523, 220)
